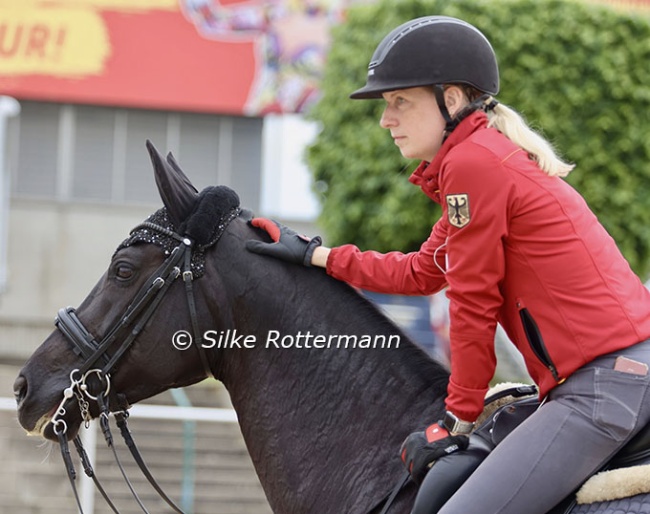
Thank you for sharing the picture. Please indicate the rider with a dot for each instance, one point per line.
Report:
(515, 245)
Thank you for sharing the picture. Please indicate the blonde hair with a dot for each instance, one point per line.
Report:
(514, 127)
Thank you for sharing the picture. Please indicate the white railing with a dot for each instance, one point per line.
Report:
(161, 412)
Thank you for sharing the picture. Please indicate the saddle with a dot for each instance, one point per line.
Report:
(504, 412)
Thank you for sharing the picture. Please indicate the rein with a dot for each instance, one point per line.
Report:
(98, 364)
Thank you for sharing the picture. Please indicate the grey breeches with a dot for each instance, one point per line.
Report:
(583, 422)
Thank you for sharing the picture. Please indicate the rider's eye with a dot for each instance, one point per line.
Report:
(123, 272)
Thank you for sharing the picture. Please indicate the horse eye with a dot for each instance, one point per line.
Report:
(123, 272)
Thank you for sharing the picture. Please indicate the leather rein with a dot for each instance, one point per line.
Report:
(98, 364)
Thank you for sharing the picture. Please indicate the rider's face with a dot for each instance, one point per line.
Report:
(414, 120)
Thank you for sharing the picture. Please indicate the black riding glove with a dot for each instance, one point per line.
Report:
(288, 245)
(421, 449)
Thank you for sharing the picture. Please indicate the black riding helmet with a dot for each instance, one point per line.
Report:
(433, 50)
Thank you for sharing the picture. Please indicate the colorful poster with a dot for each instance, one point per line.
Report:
(223, 56)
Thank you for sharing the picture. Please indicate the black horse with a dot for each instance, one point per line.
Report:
(324, 386)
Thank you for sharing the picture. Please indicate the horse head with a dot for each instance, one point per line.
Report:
(119, 325)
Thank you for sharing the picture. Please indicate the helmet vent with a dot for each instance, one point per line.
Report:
(385, 47)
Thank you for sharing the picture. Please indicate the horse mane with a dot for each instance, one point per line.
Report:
(419, 365)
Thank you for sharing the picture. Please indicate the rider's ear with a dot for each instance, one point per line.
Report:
(455, 99)
(175, 189)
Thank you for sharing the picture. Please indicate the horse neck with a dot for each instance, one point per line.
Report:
(323, 426)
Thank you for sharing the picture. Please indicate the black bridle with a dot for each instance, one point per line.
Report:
(98, 364)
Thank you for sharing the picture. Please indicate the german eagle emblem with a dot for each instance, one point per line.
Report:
(458, 209)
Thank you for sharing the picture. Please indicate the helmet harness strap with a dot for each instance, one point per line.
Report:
(451, 123)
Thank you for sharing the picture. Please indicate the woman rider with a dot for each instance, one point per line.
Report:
(515, 245)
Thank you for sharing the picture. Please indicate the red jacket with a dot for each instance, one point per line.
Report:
(520, 248)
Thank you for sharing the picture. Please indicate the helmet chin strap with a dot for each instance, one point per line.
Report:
(450, 123)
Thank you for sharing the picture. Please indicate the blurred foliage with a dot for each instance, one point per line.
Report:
(579, 73)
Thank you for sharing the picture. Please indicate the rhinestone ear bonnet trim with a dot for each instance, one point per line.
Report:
(164, 239)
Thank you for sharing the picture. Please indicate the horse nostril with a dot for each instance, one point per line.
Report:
(20, 389)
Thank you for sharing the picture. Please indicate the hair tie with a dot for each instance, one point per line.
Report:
(487, 107)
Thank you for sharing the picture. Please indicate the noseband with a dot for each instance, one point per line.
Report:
(99, 364)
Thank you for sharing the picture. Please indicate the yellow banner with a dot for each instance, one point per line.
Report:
(59, 42)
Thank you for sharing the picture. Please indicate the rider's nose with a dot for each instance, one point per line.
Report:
(20, 389)
(387, 120)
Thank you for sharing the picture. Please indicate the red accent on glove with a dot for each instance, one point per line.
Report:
(269, 226)
(410, 465)
(435, 432)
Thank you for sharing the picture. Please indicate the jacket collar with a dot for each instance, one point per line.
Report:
(426, 174)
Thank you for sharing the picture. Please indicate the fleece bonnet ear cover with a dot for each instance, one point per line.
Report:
(212, 205)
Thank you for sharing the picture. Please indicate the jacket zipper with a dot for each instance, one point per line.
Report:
(536, 341)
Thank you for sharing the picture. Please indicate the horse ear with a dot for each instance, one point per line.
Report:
(171, 160)
(176, 191)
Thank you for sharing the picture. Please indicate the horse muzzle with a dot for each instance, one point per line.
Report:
(35, 413)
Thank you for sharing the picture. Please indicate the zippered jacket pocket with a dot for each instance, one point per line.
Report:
(536, 342)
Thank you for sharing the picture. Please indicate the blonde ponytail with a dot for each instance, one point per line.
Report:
(513, 126)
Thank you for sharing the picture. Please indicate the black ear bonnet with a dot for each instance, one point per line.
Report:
(214, 209)
(213, 205)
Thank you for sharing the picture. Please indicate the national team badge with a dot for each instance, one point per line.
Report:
(458, 210)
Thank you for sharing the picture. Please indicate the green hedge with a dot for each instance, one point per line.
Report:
(577, 72)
